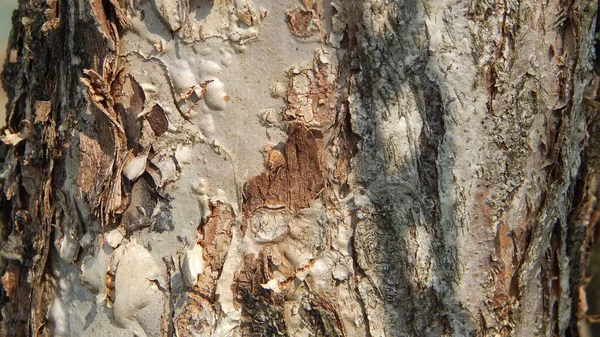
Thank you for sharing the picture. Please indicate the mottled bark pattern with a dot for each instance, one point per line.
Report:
(299, 168)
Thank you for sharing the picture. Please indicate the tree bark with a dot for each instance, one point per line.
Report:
(299, 168)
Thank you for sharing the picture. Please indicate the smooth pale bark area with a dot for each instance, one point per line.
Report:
(299, 168)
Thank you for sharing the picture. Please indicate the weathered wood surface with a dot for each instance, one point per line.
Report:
(298, 168)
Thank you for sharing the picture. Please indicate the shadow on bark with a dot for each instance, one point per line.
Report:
(406, 244)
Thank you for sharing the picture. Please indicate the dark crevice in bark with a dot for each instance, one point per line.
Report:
(35, 79)
(260, 318)
(553, 256)
(582, 230)
(581, 236)
(262, 311)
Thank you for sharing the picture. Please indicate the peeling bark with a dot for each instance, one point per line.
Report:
(299, 168)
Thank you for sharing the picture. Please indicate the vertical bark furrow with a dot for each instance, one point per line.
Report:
(43, 90)
(582, 230)
(34, 81)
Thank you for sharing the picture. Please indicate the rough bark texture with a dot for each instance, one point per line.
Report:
(299, 168)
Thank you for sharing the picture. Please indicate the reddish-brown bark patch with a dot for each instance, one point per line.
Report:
(158, 120)
(9, 280)
(95, 161)
(100, 16)
(296, 183)
(17, 312)
(299, 21)
(215, 239)
(197, 318)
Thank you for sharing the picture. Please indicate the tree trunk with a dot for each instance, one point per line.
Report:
(299, 168)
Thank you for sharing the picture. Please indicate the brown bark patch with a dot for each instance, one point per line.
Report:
(158, 120)
(297, 182)
(100, 94)
(110, 285)
(120, 7)
(99, 177)
(215, 239)
(113, 143)
(43, 110)
(505, 252)
(105, 26)
(16, 314)
(299, 21)
(94, 163)
(9, 280)
(52, 19)
(197, 318)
